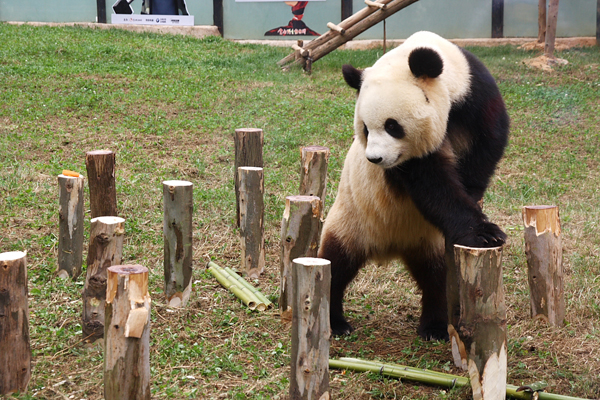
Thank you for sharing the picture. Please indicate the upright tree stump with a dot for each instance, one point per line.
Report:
(310, 329)
(543, 248)
(300, 235)
(105, 249)
(479, 339)
(70, 215)
(15, 350)
(178, 197)
(541, 21)
(313, 173)
(100, 165)
(252, 230)
(248, 153)
(127, 334)
(551, 29)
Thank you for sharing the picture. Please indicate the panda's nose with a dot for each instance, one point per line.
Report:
(375, 160)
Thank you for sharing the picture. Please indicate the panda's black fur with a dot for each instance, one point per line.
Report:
(429, 195)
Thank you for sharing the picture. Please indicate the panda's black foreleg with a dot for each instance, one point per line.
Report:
(344, 268)
(429, 271)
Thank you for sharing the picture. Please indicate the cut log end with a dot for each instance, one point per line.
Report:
(12, 255)
(99, 152)
(128, 269)
(177, 183)
(542, 218)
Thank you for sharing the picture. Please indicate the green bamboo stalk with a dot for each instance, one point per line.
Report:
(242, 293)
(261, 297)
(431, 377)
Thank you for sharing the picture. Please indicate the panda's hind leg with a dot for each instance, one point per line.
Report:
(429, 271)
(345, 265)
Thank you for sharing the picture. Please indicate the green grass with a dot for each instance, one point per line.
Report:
(168, 106)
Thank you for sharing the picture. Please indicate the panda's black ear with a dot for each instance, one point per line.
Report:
(352, 76)
(425, 62)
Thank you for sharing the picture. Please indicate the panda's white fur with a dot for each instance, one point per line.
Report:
(375, 216)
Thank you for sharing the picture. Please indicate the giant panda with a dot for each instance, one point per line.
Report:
(430, 125)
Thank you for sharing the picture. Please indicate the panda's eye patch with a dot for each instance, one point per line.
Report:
(365, 130)
(394, 129)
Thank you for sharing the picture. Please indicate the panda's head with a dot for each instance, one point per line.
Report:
(402, 106)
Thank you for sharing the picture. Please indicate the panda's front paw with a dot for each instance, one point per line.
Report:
(339, 326)
(486, 234)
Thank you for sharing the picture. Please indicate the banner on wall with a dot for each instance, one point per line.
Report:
(295, 27)
(154, 12)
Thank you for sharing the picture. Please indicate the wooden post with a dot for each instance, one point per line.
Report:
(70, 216)
(300, 235)
(598, 23)
(310, 329)
(551, 29)
(541, 21)
(252, 230)
(15, 350)
(313, 173)
(178, 197)
(100, 165)
(479, 338)
(543, 248)
(105, 249)
(127, 334)
(248, 153)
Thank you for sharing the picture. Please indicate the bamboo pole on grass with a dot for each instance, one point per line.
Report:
(480, 335)
(105, 249)
(310, 329)
(15, 349)
(178, 200)
(437, 378)
(313, 172)
(242, 289)
(248, 144)
(127, 334)
(252, 230)
(543, 248)
(70, 216)
(300, 235)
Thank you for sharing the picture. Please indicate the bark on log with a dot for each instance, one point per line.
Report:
(543, 248)
(70, 215)
(252, 230)
(105, 249)
(551, 29)
(248, 153)
(15, 350)
(300, 236)
(479, 339)
(100, 165)
(178, 197)
(313, 175)
(127, 334)
(310, 329)
(541, 21)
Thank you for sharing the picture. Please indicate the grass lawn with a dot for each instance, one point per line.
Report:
(168, 106)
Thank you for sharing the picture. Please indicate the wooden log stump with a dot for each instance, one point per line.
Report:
(252, 231)
(313, 175)
(543, 248)
(479, 339)
(551, 29)
(100, 165)
(105, 249)
(300, 236)
(15, 350)
(70, 216)
(541, 21)
(178, 197)
(248, 153)
(310, 329)
(127, 334)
